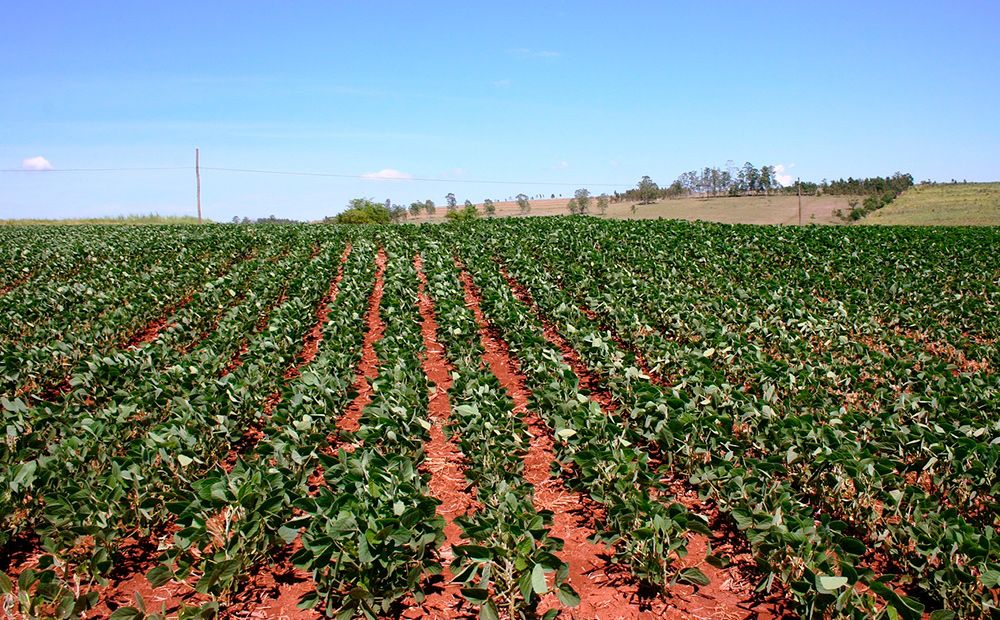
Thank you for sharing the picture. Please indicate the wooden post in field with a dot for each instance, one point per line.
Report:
(798, 184)
(197, 176)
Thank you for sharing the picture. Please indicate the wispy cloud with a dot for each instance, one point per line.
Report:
(387, 174)
(501, 83)
(561, 165)
(527, 52)
(36, 163)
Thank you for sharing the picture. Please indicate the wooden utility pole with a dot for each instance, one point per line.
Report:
(798, 184)
(197, 176)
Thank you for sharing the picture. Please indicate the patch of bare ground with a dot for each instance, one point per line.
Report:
(16, 283)
(368, 367)
(444, 463)
(946, 351)
(151, 330)
(729, 595)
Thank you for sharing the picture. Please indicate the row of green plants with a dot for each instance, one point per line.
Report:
(824, 458)
(510, 559)
(647, 534)
(137, 455)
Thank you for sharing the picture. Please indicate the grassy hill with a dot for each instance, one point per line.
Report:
(962, 204)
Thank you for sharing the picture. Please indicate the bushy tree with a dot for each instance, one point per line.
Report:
(648, 190)
(451, 201)
(429, 207)
(523, 204)
(602, 204)
(489, 208)
(582, 197)
(363, 211)
(416, 208)
(468, 213)
(573, 206)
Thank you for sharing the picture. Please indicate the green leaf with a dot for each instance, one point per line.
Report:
(829, 583)
(693, 576)
(538, 579)
(476, 596)
(990, 578)
(6, 585)
(127, 613)
(159, 575)
(488, 612)
(942, 614)
(567, 595)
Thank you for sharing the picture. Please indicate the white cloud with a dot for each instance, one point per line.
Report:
(525, 52)
(36, 163)
(501, 83)
(561, 165)
(387, 174)
(783, 175)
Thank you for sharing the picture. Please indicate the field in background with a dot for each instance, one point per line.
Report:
(739, 210)
(965, 204)
(118, 219)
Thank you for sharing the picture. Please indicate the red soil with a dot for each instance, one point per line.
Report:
(368, 367)
(16, 283)
(152, 329)
(591, 575)
(443, 461)
(730, 593)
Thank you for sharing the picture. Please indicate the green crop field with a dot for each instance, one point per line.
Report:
(519, 417)
(963, 204)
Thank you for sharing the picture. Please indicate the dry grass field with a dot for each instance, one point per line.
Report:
(740, 210)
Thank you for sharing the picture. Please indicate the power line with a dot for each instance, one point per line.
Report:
(361, 177)
(144, 169)
(365, 177)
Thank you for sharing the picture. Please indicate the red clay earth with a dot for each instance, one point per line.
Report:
(591, 575)
(152, 329)
(730, 593)
(368, 367)
(443, 461)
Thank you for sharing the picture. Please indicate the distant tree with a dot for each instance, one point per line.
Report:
(582, 197)
(766, 178)
(429, 207)
(523, 204)
(362, 211)
(489, 208)
(573, 206)
(468, 203)
(388, 204)
(676, 189)
(416, 208)
(397, 213)
(236, 219)
(451, 202)
(648, 190)
(468, 213)
(750, 178)
(552, 196)
(602, 204)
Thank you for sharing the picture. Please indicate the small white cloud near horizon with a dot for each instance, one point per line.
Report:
(501, 83)
(561, 165)
(36, 163)
(387, 174)
(783, 175)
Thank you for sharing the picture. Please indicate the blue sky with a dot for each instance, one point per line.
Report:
(551, 95)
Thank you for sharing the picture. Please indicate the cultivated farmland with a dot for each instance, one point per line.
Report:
(510, 418)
